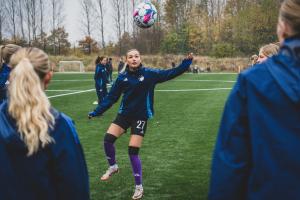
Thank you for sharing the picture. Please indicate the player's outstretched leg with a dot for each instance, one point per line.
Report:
(109, 149)
(137, 172)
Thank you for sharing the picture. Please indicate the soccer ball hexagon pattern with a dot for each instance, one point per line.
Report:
(145, 15)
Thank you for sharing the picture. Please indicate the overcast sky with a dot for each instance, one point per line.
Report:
(72, 12)
(72, 23)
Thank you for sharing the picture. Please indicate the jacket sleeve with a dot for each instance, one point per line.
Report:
(232, 155)
(4, 74)
(70, 170)
(96, 73)
(8, 181)
(165, 75)
(111, 98)
(104, 77)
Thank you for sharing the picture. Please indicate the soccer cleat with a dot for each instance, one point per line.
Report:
(111, 170)
(138, 192)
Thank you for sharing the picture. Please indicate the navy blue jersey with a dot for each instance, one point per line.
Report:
(138, 90)
(57, 171)
(257, 151)
(4, 75)
(100, 76)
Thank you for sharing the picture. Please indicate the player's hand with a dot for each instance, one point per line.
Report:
(190, 56)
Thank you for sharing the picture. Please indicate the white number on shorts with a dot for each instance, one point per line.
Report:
(141, 124)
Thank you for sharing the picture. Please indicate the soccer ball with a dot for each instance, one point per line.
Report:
(145, 15)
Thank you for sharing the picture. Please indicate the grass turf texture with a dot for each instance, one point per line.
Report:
(177, 149)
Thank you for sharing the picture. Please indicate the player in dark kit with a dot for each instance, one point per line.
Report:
(137, 84)
(5, 53)
(100, 78)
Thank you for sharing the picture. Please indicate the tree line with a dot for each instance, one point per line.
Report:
(221, 28)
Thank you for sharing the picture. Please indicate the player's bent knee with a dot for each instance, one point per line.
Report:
(133, 150)
(110, 138)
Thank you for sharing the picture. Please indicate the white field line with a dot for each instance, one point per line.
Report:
(193, 90)
(208, 73)
(180, 80)
(91, 72)
(66, 94)
(184, 90)
(190, 73)
(183, 80)
(74, 80)
(63, 90)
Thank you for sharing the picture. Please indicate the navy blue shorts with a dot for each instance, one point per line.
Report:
(138, 126)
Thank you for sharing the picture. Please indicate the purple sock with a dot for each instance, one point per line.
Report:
(109, 149)
(136, 168)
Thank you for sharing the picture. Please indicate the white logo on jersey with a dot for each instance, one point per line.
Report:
(126, 79)
(141, 78)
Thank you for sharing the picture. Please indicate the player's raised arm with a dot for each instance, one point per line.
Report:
(165, 75)
(111, 98)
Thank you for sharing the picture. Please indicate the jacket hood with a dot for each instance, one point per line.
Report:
(8, 129)
(285, 68)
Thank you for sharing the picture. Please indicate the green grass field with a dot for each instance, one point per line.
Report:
(177, 149)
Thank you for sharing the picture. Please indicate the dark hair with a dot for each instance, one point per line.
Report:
(99, 59)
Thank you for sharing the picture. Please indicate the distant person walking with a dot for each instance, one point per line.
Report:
(256, 155)
(101, 78)
(109, 68)
(121, 65)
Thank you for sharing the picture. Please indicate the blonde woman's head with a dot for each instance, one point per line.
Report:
(267, 51)
(253, 59)
(27, 101)
(289, 19)
(6, 51)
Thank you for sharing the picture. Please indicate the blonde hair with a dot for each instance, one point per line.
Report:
(125, 65)
(254, 59)
(6, 51)
(290, 13)
(28, 103)
(269, 50)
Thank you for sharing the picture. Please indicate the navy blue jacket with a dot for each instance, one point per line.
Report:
(4, 75)
(257, 151)
(100, 76)
(57, 171)
(138, 90)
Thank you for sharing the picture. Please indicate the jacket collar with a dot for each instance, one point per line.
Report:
(136, 71)
(291, 47)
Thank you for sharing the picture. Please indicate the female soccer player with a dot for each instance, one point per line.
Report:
(100, 78)
(41, 156)
(267, 51)
(5, 53)
(257, 150)
(137, 84)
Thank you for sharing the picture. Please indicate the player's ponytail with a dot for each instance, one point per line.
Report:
(1, 55)
(124, 67)
(290, 13)
(28, 103)
(6, 51)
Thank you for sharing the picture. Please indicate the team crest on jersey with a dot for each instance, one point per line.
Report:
(141, 78)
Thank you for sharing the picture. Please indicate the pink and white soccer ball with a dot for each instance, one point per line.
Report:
(145, 15)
